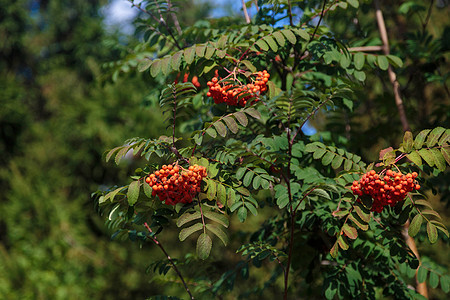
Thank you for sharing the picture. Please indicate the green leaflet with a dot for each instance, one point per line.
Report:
(358, 60)
(155, 67)
(217, 231)
(186, 232)
(289, 36)
(189, 55)
(144, 65)
(414, 226)
(262, 45)
(204, 244)
(432, 232)
(187, 217)
(271, 42)
(217, 217)
(383, 62)
(133, 192)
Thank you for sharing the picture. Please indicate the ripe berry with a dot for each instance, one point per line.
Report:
(170, 187)
(393, 188)
(238, 95)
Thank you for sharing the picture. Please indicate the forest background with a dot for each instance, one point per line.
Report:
(64, 101)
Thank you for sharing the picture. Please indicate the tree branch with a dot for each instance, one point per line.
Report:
(244, 8)
(391, 73)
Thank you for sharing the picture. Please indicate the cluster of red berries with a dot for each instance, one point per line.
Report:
(224, 92)
(387, 189)
(175, 185)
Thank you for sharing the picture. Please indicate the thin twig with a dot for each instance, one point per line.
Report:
(427, 19)
(392, 76)
(365, 49)
(244, 8)
(290, 13)
(256, 4)
(158, 243)
(174, 17)
(291, 208)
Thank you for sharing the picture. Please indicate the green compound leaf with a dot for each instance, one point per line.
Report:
(186, 232)
(188, 217)
(216, 217)
(218, 232)
(432, 232)
(204, 244)
(133, 192)
(414, 227)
